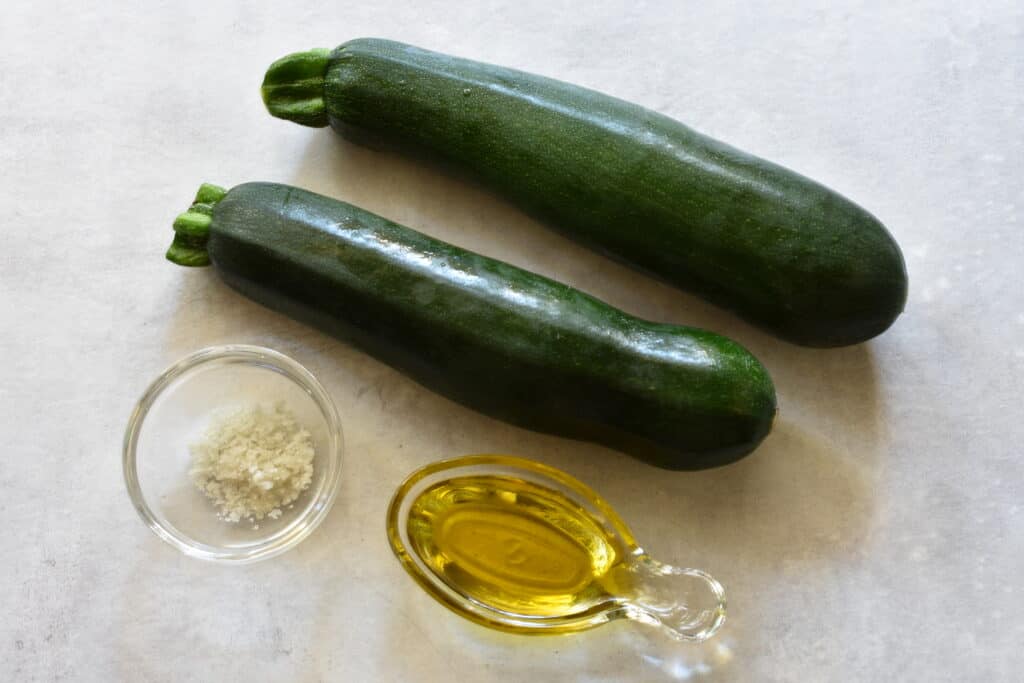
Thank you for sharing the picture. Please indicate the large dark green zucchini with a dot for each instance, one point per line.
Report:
(779, 249)
(507, 342)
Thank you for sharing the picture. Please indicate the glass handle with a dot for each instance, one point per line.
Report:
(687, 604)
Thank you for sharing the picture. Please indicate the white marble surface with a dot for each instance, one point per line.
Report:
(875, 536)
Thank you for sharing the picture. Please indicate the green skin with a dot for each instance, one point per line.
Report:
(496, 338)
(777, 248)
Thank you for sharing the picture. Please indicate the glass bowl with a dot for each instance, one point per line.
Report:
(175, 412)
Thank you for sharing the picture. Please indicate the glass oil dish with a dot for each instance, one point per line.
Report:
(519, 546)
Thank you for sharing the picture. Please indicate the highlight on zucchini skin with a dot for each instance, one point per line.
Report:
(778, 249)
(496, 338)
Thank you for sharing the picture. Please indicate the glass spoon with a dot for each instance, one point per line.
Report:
(519, 546)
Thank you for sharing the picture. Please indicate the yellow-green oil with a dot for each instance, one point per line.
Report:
(514, 545)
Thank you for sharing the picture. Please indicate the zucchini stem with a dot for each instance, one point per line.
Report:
(192, 228)
(293, 88)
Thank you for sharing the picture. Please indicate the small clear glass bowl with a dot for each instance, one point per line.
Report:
(175, 412)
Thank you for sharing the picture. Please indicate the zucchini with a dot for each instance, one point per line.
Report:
(507, 342)
(775, 247)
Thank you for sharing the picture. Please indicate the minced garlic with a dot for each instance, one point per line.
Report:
(253, 462)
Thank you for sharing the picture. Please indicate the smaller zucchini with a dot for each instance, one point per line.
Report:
(499, 339)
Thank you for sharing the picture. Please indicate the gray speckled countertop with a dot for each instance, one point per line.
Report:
(876, 535)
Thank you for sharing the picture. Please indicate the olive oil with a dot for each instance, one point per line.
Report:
(519, 546)
(514, 545)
